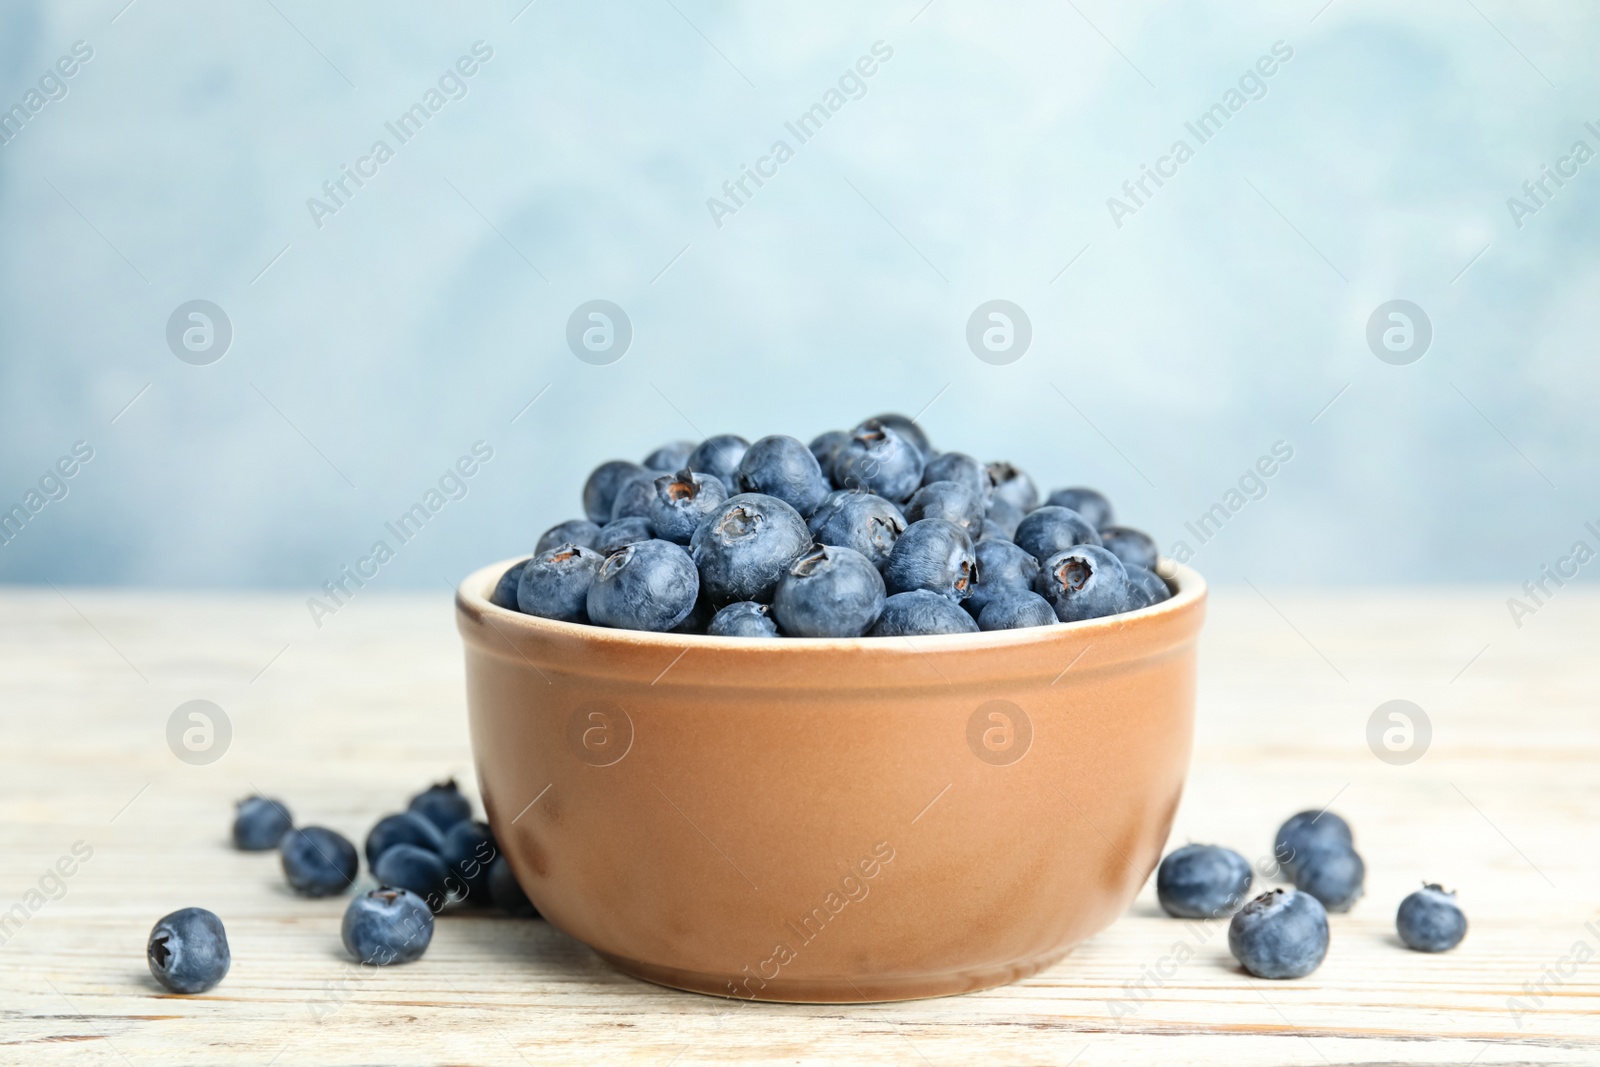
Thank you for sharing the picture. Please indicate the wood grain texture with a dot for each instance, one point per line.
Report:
(344, 722)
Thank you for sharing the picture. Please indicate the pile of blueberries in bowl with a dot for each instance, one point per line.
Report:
(867, 533)
(1283, 933)
(432, 858)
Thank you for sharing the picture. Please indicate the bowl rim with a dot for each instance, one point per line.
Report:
(472, 601)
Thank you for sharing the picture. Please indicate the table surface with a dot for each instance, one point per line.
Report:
(346, 721)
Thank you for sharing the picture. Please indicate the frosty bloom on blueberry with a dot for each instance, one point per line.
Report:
(730, 538)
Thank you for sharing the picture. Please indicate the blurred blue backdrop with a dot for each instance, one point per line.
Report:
(1178, 335)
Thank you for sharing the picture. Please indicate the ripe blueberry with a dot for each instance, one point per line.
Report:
(1430, 920)
(934, 554)
(863, 521)
(1015, 609)
(259, 823)
(906, 428)
(442, 804)
(469, 848)
(188, 951)
(555, 583)
(615, 536)
(1305, 831)
(507, 892)
(1002, 568)
(572, 532)
(783, 467)
(1202, 882)
(634, 496)
(505, 590)
(744, 546)
(1091, 504)
(951, 501)
(670, 456)
(961, 468)
(650, 585)
(600, 491)
(1283, 933)
(1004, 517)
(1051, 529)
(417, 869)
(317, 862)
(1013, 485)
(828, 592)
(1333, 873)
(921, 612)
(1133, 547)
(681, 501)
(403, 828)
(387, 926)
(719, 456)
(1145, 587)
(743, 618)
(825, 446)
(1084, 582)
(879, 460)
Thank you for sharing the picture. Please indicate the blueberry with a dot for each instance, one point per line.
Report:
(403, 828)
(783, 467)
(681, 501)
(744, 547)
(259, 823)
(1147, 587)
(921, 612)
(906, 428)
(634, 496)
(1002, 568)
(719, 456)
(1282, 933)
(879, 460)
(1050, 529)
(1429, 920)
(1134, 548)
(1012, 610)
(317, 861)
(825, 446)
(188, 951)
(387, 926)
(650, 585)
(743, 618)
(615, 536)
(505, 590)
(961, 468)
(933, 554)
(951, 501)
(555, 583)
(1305, 831)
(865, 522)
(993, 531)
(1202, 882)
(507, 892)
(1334, 874)
(469, 848)
(670, 456)
(1092, 505)
(600, 491)
(1004, 516)
(1084, 582)
(442, 804)
(1013, 485)
(417, 869)
(829, 592)
(572, 532)
(697, 620)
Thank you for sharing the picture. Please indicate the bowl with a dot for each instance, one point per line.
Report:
(822, 820)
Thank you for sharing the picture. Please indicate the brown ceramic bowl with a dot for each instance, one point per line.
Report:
(832, 820)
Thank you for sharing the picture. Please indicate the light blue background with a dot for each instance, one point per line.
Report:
(427, 312)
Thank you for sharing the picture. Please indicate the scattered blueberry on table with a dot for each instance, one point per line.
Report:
(1283, 933)
(1202, 882)
(410, 867)
(442, 804)
(507, 892)
(318, 862)
(259, 823)
(188, 951)
(386, 926)
(1333, 873)
(1430, 920)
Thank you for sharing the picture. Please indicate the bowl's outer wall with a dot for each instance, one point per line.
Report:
(812, 823)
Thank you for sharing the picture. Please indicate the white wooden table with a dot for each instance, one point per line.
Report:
(345, 722)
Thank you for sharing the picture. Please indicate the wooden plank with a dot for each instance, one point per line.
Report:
(345, 721)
